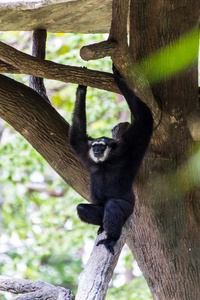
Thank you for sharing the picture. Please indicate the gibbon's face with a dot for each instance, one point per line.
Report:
(99, 149)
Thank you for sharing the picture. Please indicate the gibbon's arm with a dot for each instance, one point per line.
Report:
(78, 132)
(139, 133)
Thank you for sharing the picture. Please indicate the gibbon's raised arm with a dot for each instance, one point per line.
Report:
(140, 131)
(78, 132)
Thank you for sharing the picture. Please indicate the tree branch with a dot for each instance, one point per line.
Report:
(93, 281)
(34, 289)
(38, 50)
(41, 125)
(30, 65)
(6, 68)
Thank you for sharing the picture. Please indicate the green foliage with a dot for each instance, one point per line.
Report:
(173, 59)
(135, 289)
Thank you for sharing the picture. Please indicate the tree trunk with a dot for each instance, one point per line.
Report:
(165, 236)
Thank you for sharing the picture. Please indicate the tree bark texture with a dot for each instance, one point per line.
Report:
(28, 289)
(94, 280)
(165, 235)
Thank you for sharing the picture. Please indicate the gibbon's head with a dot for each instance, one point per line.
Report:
(99, 149)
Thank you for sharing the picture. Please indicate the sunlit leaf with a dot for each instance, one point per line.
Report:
(172, 59)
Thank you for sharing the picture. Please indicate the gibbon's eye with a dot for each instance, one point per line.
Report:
(98, 150)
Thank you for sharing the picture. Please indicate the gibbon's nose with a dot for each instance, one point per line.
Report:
(98, 152)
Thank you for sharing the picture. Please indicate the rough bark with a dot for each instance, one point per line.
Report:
(165, 235)
(94, 280)
(34, 289)
(75, 16)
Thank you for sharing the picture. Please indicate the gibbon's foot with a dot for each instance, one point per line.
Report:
(109, 244)
(100, 230)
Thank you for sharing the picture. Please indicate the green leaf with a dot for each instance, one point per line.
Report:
(172, 59)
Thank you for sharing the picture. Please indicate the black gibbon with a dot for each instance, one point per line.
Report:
(112, 164)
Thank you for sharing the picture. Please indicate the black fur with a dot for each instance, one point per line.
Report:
(111, 180)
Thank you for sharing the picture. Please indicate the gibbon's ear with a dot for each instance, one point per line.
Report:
(90, 140)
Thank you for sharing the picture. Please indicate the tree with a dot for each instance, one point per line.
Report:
(164, 235)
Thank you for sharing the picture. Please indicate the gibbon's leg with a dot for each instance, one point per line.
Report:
(116, 212)
(91, 213)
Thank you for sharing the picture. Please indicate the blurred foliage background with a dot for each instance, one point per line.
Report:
(41, 235)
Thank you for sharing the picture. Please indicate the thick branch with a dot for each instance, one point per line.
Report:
(34, 289)
(28, 113)
(93, 283)
(30, 65)
(38, 50)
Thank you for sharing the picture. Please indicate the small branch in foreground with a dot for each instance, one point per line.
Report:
(34, 289)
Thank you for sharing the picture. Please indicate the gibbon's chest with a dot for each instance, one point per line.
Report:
(110, 182)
